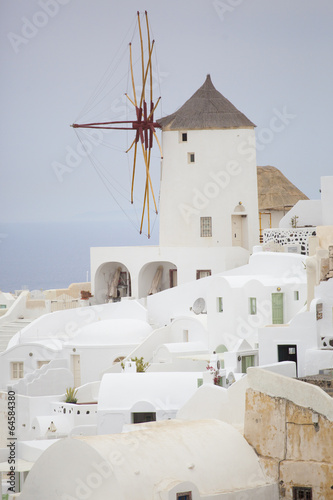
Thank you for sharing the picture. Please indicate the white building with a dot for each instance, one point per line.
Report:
(308, 338)
(132, 398)
(267, 436)
(188, 460)
(72, 347)
(302, 221)
(208, 203)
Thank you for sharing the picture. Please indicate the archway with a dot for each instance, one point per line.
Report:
(239, 227)
(156, 276)
(112, 282)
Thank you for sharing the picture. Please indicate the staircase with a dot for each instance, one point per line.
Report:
(8, 330)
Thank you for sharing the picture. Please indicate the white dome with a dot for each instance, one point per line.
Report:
(209, 455)
(111, 332)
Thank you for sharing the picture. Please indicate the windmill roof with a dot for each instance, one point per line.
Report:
(275, 191)
(206, 109)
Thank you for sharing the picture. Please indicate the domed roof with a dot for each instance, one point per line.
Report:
(209, 454)
(111, 332)
(206, 109)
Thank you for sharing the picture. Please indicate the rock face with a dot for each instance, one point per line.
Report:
(294, 444)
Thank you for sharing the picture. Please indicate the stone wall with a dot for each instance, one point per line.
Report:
(293, 236)
(294, 444)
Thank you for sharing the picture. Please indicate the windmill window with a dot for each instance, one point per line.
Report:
(191, 157)
(205, 227)
(183, 137)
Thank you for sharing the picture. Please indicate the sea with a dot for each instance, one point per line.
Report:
(42, 256)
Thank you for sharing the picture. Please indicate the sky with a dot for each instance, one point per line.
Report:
(269, 58)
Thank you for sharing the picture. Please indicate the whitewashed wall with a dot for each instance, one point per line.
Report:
(224, 174)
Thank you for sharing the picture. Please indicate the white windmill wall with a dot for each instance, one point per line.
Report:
(222, 175)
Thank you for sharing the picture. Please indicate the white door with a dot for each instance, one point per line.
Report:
(76, 369)
(237, 236)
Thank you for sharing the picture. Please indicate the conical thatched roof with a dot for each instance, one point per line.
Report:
(275, 191)
(206, 109)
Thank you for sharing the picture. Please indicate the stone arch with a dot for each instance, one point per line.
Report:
(112, 282)
(156, 276)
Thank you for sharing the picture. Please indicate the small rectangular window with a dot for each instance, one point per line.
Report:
(319, 311)
(253, 305)
(17, 370)
(184, 136)
(141, 417)
(219, 304)
(203, 273)
(296, 295)
(302, 493)
(191, 157)
(184, 496)
(42, 363)
(206, 227)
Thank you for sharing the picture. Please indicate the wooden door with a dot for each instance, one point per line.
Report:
(237, 236)
(76, 369)
(277, 308)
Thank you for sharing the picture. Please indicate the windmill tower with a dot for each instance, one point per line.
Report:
(209, 175)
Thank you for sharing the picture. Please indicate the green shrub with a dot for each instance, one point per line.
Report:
(140, 365)
(70, 395)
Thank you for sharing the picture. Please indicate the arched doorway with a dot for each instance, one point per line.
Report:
(112, 282)
(155, 277)
(239, 227)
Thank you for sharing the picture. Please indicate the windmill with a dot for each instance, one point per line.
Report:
(143, 124)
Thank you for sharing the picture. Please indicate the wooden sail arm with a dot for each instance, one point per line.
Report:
(146, 74)
(153, 110)
(108, 125)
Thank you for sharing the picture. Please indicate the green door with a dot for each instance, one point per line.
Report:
(277, 308)
(247, 361)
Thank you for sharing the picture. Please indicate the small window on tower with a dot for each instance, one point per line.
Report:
(205, 227)
(191, 157)
(184, 136)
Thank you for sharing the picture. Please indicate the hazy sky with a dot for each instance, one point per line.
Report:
(268, 57)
